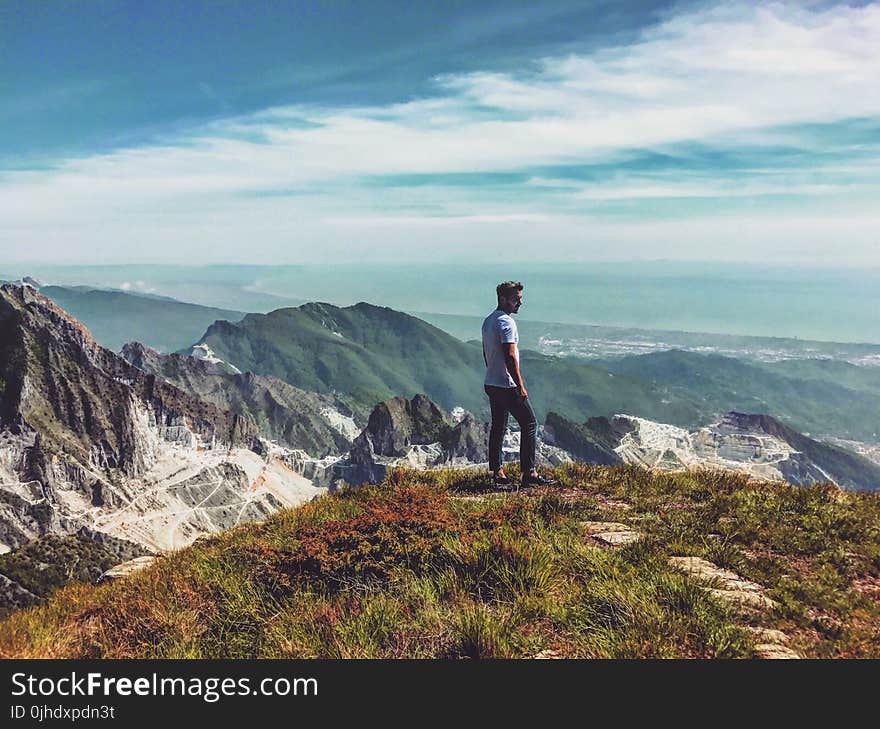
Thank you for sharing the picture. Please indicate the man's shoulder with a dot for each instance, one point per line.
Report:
(498, 315)
(493, 317)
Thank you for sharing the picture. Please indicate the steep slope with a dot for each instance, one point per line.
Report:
(115, 317)
(88, 440)
(433, 564)
(756, 444)
(318, 424)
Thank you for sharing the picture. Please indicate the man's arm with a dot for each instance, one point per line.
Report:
(511, 359)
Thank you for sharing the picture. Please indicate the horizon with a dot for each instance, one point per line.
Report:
(827, 304)
(690, 132)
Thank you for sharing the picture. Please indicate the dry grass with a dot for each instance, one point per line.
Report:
(410, 569)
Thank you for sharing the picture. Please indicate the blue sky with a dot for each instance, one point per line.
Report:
(284, 132)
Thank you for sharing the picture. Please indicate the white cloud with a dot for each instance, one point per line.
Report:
(715, 76)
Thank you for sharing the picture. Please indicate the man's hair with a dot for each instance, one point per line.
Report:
(506, 288)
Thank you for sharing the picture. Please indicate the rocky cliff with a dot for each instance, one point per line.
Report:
(418, 433)
(319, 424)
(756, 444)
(87, 439)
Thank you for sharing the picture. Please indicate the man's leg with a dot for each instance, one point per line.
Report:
(498, 407)
(521, 409)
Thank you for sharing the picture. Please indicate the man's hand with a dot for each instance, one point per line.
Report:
(522, 392)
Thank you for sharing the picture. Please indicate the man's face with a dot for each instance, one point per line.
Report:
(514, 301)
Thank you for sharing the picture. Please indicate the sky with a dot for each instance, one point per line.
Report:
(289, 132)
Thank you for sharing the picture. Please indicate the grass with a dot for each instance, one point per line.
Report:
(432, 564)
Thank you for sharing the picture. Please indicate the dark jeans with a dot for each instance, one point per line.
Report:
(504, 400)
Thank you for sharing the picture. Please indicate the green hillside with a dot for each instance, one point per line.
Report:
(117, 317)
(807, 397)
(432, 564)
(371, 353)
(853, 377)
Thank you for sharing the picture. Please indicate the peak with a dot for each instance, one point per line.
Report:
(26, 296)
(137, 347)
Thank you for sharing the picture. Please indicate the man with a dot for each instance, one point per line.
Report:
(505, 388)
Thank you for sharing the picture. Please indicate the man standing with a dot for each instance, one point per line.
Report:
(505, 388)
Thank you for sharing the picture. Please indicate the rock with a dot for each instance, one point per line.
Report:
(768, 635)
(617, 539)
(731, 588)
(468, 441)
(775, 651)
(593, 441)
(398, 423)
(704, 570)
(608, 503)
(597, 527)
(610, 533)
(126, 568)
(744, 598)
(547, 654)
(755, 444)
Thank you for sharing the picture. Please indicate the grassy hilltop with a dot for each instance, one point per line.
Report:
(433, 564)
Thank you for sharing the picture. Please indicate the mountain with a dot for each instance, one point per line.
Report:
(365, 354)
(88, 440)
(116, 317)
(807, 396)
(853, 377)
(318, 424)
(756, 444)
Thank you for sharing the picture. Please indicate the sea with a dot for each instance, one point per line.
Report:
(584, 309)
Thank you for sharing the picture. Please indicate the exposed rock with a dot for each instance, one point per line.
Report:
(127, 568)
(89, 440)
(398, 423)
(755, 444)
(768, 635)
(610, 533)
(593, 441)
(598, 527)
(319, 424)
(771, 644)
(617, 539)
(731, 588)
(744, 598)
(468, 441)
(775, 652)
(548, 654)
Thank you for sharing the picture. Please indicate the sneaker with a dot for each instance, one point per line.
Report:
(537, 480)
(502, 481)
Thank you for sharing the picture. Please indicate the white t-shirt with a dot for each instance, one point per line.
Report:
(499, 329)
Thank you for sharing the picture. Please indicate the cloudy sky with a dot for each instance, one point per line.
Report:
(281, 132)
